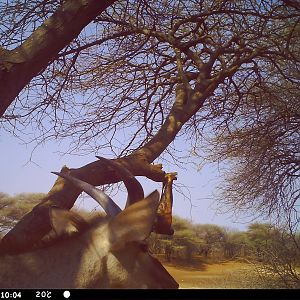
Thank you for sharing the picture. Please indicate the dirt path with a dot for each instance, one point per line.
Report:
(224, 275)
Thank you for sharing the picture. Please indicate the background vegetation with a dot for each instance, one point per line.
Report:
(272, 250)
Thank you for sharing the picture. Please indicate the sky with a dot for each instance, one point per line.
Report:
(22, 171)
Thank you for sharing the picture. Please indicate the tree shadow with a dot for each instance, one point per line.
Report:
(194, 264)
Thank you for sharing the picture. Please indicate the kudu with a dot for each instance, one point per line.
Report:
(109, 253)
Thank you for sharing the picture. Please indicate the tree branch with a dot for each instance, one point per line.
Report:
(19, 66)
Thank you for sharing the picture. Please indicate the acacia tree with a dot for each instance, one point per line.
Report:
(264, 153)
(277, 253)
(144, 72)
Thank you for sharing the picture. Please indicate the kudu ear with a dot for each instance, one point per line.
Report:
(134, 223)
(65, 221)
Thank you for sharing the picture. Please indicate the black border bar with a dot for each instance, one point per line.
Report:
(184, 294)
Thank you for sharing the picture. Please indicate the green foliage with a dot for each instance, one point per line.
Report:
(273, 250)
(261, 236)
(183, 244)
(180, 224)
(236, 244)
(188, 240)
(265, 238)
(278, 251)
(213, 237)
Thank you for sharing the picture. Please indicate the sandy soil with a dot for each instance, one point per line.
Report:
(230, 274)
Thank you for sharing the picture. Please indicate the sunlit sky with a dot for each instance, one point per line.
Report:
(22, 171)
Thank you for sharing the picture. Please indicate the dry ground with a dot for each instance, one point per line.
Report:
(231, 274)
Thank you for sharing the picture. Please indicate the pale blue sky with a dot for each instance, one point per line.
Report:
(19, 174)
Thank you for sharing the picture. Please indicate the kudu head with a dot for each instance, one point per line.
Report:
(111, 253)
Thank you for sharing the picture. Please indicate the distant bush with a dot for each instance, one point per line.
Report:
(13, 208)
(273, 249)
